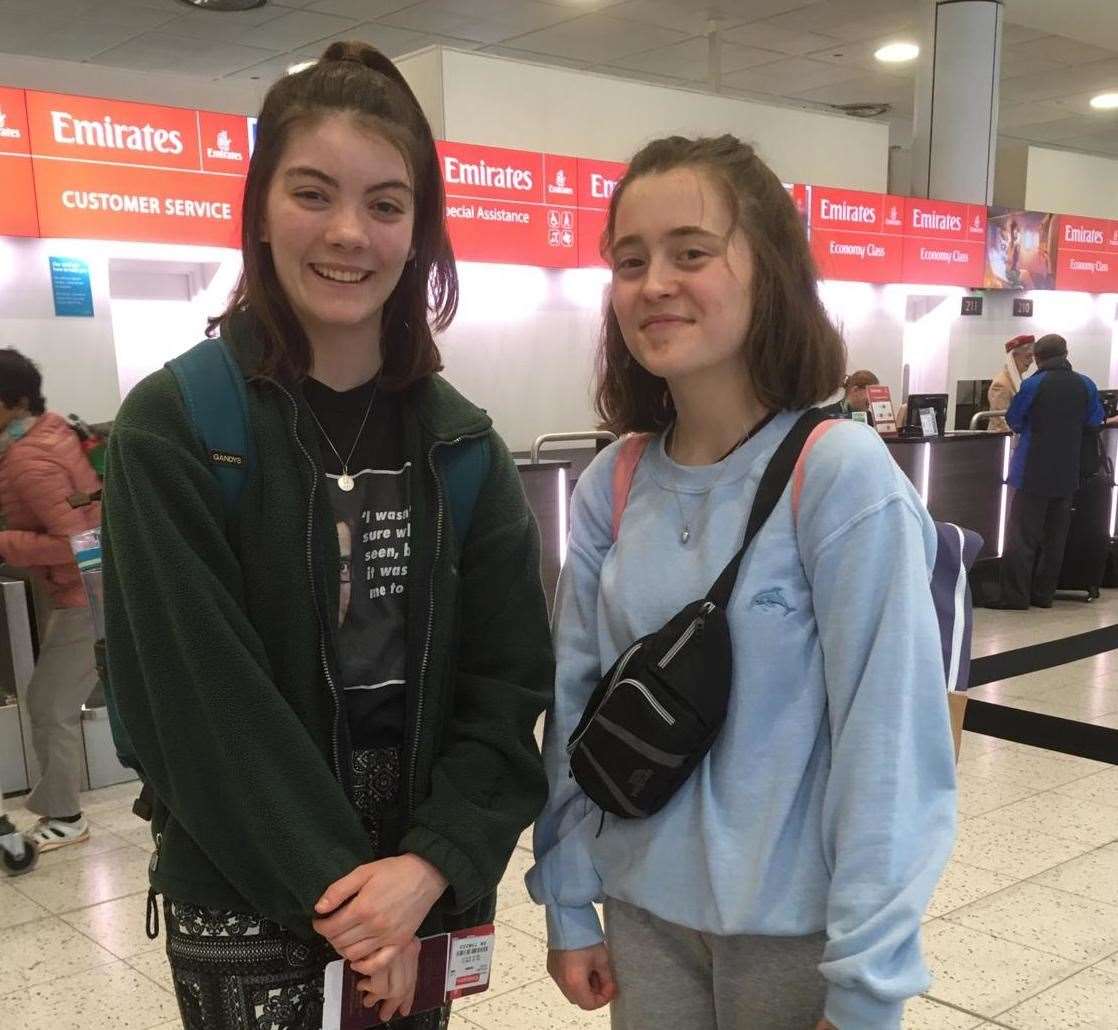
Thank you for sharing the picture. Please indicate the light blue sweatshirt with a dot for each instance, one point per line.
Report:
(828, 799)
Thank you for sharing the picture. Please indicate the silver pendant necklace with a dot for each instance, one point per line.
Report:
(346, 482)
(684, 522)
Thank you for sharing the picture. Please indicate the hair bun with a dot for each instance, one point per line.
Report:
(353, 51)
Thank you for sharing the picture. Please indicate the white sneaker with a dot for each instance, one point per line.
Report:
(51, 834)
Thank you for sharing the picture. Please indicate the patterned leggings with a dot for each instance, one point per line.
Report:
(237, 971)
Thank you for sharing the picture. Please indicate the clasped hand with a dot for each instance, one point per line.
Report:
(370, 917)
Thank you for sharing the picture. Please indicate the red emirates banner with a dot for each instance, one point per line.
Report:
(945, 243)
(1087, 254)
(856, 235)
(597, 181)
(510, 206)
(90, 168)
(18, 215)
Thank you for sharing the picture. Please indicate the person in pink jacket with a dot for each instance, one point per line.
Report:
(42, 465)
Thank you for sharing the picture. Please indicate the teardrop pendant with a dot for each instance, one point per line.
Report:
(685, 534)
(345, 482)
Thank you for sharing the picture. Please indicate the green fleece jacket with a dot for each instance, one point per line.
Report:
(222, 660)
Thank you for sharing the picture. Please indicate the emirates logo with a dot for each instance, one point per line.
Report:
(560, 185)
(5, 132)
(224, 150)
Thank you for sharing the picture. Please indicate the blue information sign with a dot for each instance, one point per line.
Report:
(73, 293)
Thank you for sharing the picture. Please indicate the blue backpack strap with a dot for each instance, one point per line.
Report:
(214, 395)
(464, 467)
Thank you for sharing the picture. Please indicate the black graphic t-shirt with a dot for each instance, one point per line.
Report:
(373, 522)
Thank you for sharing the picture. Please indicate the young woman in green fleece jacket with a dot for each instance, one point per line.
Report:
(332, 696)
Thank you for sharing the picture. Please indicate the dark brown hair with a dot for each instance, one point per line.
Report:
(20, 380)
(863, 377)
(794, 354)
(357, 79)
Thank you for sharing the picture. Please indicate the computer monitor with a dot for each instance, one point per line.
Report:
(1109, 400)
(918, 402)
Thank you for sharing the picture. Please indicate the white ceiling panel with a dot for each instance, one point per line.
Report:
(851, 19)
(1015, 64)
(690, 16)
(265, 71)
(767, 36)
(296, 28)
(1058, 131)
(788, 77)
(867, 90)
(505, 21)
(390, 41)
(1020, 116)
(228, 25)
(1106, 143)
(691, 60)
(598, 38)
(160, 52)
(527, 55)
(1060, 49)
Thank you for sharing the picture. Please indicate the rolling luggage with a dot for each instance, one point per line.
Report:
(1088, 543)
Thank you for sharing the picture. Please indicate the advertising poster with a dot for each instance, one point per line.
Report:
(72, 288)
(1020, 250)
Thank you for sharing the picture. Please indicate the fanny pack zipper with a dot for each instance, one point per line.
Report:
(687, 634)
(612, 686)
(660, 709)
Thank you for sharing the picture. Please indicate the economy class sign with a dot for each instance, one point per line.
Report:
(1087, 255)
(945, 243)
(857, 236)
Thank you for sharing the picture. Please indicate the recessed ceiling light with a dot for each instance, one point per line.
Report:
(898, 53)
(293, 68)
(225, 5)
(1105, 102)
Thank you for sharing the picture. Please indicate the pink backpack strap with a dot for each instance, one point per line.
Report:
(624, 468)
(800, 470)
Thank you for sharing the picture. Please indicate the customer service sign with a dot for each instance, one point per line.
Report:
(90, 168)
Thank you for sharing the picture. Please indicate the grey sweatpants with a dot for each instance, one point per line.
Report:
(64, 677)
(670, 977)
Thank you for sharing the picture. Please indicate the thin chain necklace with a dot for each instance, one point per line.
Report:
(345, 480)
(684, 521)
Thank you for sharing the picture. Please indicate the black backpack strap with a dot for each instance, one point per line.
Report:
(769, 491)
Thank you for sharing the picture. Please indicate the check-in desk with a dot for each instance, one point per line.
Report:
(961, 479)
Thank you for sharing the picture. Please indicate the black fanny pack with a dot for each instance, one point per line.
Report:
(656, 713)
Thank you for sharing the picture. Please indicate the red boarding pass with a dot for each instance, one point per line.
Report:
(451, 965)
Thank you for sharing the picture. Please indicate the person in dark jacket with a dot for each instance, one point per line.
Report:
(332, 695)
(1050, 412)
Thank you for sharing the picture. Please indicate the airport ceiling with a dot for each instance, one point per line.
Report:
(816, 53)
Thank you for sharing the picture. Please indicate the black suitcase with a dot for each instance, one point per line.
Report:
(1088, 541)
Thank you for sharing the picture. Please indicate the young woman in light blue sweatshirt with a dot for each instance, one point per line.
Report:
(783, 885)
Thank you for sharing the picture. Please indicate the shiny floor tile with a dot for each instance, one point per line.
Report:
(1086, 1001)
(1101, 788)
(922, 1014)
(44, 950)
(114, 996)
(540, 1006)
(83, 882)
(1093, 876)
(998, 847)
(528, 918)
(962, 885)
(1045, 919)
(118, 926)
(1057, 815)
(154, 965)
(16, 909)
(981, 973)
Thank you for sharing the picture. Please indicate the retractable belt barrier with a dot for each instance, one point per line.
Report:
(1050, 732)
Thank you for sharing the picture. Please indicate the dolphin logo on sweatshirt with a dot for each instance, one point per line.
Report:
(772, 600)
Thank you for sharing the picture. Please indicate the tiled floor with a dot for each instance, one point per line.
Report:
(1022, 933)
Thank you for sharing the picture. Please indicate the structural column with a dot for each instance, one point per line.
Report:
(956, 124)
